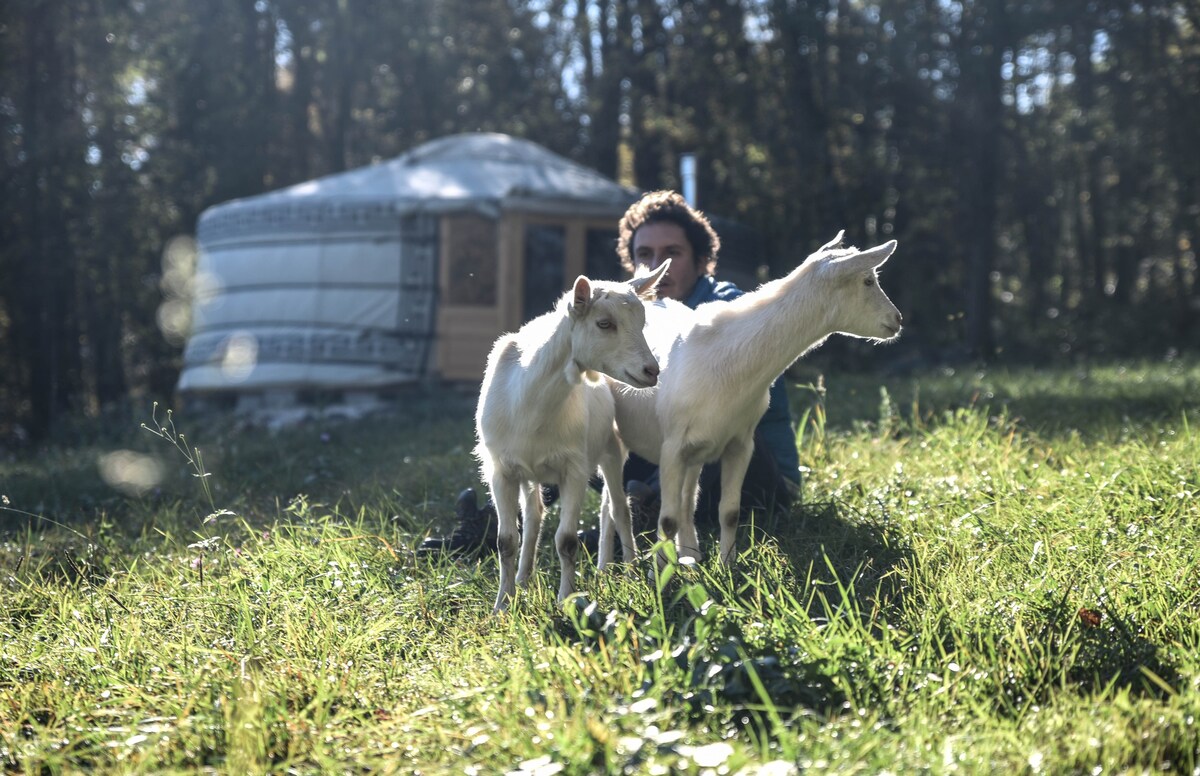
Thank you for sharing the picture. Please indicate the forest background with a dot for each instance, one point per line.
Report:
(1038, 161)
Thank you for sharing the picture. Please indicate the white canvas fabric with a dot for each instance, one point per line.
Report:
(332, 283)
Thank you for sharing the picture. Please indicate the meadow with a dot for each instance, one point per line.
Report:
(990, 571)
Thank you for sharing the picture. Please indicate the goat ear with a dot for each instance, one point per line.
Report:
(581, 298)
(646, 286)
(880, 253)
(836, 242)
(868, 259)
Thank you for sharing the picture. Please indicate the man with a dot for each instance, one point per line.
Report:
(660, 226)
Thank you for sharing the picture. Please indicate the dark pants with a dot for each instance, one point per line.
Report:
(764, 488)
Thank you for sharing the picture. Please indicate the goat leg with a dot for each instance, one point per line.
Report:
(505, 495)
(617, 515)
(688, 541)
(733, 473)
(566, 539)
(531, 524)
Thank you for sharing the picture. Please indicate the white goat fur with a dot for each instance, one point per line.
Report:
(718, 363)
(546, 416)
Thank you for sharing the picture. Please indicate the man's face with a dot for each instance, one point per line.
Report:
(657, 241)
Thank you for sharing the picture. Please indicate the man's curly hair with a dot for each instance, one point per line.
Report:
(669, 206)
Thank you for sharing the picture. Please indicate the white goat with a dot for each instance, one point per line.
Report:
(719, 361)
(545, 416)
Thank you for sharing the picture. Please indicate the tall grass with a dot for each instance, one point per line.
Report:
(989, 572)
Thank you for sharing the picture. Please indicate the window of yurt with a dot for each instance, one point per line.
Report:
(471, 256)
(545, 252)
(601, 258)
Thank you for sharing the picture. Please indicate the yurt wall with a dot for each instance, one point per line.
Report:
(393, 273)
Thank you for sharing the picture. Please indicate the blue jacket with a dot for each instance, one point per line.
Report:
(775, 428)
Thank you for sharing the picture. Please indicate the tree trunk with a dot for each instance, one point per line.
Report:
(985, 128)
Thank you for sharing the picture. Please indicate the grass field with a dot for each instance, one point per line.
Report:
(990, 572)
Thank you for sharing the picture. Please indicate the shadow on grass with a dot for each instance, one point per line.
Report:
(407, 460)
(858, 557)
(1053, 413)
(1098, 402)
(715, 644)
(1093, 650)
(702, 652)
(857, 564)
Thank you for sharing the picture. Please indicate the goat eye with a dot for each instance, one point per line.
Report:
(604, 323)
(869, 282)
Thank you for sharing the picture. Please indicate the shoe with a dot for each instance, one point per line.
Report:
(550, 492)
(475, 532)
(644, 502)
(589, 538)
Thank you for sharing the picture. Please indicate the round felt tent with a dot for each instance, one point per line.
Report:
(395, 272)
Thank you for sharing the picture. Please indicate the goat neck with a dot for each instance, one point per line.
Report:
(548, 368)
(774, 325)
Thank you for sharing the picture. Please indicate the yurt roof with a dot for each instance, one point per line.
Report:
(483, 171)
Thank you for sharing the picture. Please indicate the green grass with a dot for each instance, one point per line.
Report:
(990, 572)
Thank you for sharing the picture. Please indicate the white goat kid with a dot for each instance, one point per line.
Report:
(546, 416)
(718, 363)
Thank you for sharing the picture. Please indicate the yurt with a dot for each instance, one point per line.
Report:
(392, 273)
